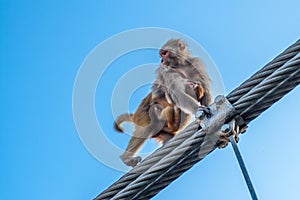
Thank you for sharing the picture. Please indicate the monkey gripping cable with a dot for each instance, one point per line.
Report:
(202, 136)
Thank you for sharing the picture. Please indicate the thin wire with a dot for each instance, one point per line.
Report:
(243, 168)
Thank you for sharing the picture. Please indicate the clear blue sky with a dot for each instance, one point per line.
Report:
(43, 44)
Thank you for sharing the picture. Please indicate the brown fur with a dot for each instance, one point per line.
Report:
(177, 58)
(182, 83)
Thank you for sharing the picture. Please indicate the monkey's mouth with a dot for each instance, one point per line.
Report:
(164, 54)
(165, 63)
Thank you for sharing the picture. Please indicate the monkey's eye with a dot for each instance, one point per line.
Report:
(181, 46)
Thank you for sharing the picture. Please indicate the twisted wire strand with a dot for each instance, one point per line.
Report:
(282, 81)
(188, 161)
(268, 85)
(164, 165)
(269, 100)
(140, 186)
(280, 87)
(260, 75)
(148, 162)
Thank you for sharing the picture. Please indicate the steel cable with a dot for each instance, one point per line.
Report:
(263, 91)
(268, 85)
(250, 99)
(147, 179)
(260, 75)
(148, 162)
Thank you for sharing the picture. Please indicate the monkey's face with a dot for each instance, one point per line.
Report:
(173, 53)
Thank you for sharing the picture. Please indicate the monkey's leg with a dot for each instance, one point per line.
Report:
(169, 115)
(141, 134)
(136, 142)
(177, 118)
(164, 137)
(173, 118)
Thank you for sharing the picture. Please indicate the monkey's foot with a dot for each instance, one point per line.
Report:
(133, 161)
(224, 140)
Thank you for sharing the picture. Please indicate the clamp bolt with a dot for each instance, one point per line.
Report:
(226, 128)
(200, 114)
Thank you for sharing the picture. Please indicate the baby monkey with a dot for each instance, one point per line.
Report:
(182, 85)
(158, 120)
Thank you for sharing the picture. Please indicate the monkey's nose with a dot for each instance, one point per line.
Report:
(164, 53)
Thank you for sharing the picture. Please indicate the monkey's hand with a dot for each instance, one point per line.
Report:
(193, 84)
(203, 111)
(224, 139)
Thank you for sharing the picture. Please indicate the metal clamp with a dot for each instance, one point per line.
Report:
(229, 132)
(216, 117)
(235, 127)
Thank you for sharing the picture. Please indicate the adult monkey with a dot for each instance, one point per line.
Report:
(181, 87)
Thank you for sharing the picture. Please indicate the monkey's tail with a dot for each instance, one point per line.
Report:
(126, 117)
